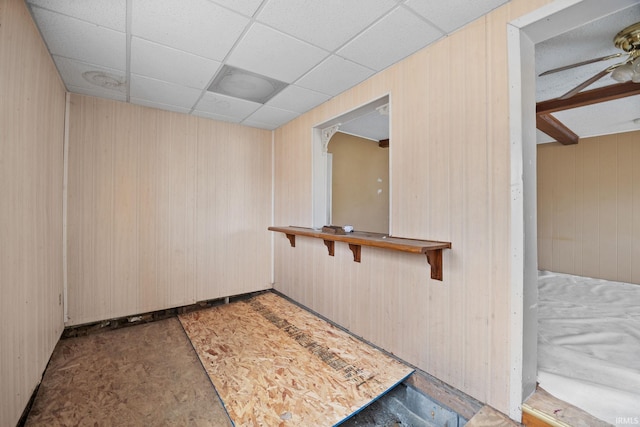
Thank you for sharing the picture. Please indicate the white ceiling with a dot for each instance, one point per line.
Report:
(165, 53)
(373, 126)
(592, 40)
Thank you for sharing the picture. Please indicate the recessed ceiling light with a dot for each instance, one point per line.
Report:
(245, 85)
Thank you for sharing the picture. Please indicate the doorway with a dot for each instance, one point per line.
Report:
(523, 33)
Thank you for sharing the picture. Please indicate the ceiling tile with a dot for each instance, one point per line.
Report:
(271, 53)
(107, 94)
(245, 7)
(73, 38)
(159, 106)
(254, 124)
(203, 28)
(395, 37)
(299, 99)
(79, 75)
(111, 14)
(328, 23)
(272, 116)
(335, 75)
(161, 92)
(214, 116)
(214, 104)
(171, 65)
(452, 14)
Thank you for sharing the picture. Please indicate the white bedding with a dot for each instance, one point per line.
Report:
(589, 345)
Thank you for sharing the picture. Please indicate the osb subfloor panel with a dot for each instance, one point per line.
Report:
(275, 364)
(144, 375)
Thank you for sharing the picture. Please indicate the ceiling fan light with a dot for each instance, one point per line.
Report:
(636, 78)
(623, 73)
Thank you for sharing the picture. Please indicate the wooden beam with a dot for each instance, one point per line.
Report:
(383, 143)
(555, 129)
(558, 131)
(589, 97)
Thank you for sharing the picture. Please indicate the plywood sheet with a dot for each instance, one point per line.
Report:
(145, 375)
(274, 363)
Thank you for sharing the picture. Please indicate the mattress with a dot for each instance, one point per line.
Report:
(589, 344)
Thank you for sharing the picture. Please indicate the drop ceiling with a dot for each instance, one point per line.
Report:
(166, 53)
(589, 41)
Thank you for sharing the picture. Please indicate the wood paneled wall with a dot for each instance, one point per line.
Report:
(32, 111)
(164, 209)
(589, 207)
(450, 178)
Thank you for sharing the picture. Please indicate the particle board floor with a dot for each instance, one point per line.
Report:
(275, 364)
(144, 375)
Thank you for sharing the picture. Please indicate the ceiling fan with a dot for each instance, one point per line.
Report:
(628, 70)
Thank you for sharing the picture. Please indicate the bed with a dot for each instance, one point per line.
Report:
(589, 344)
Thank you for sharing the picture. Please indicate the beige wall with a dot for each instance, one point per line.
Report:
(360, 184)
(164, 209)
(450, 177)
(32, 109)
(588, 199)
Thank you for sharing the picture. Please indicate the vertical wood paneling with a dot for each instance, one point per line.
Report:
(624, 206)
(233, 209)
(31, 169)
(635, 203)
(125, 204)
(565, 209)
(607, 197)
(591, 213)
(165, 209)
(450, 178)
(587, 204)
(545, 180)
(438, 320)
(149, 214)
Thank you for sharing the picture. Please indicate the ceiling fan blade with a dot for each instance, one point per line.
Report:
(586, 83)
(580, 64)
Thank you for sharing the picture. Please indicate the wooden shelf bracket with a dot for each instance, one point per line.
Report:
(292, 239)
(331, 246)
(434, 258)
(356, 251)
